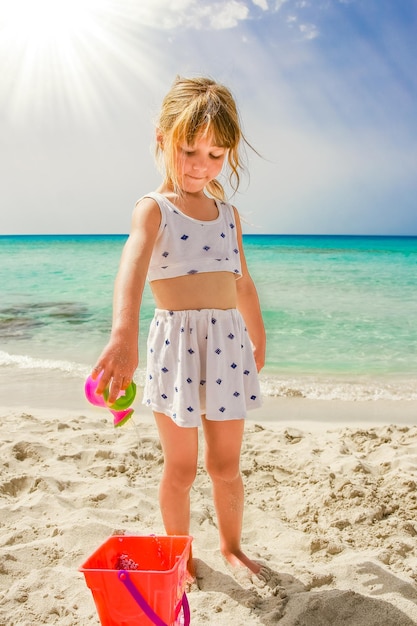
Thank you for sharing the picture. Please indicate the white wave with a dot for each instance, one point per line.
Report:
(23, 361)
(360, 390)
(315, 388)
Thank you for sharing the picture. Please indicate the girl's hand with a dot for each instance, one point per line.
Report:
(259, 356)
(117, 363)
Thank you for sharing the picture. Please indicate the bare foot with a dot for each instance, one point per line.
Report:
(239, 560)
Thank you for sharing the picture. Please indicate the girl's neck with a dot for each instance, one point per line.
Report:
(182, 198)
(197, 205)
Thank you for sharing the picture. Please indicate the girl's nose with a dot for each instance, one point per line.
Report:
(199, 164)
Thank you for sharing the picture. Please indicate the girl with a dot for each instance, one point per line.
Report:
(206, 343)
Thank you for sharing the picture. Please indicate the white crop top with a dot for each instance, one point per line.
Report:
(185, 245)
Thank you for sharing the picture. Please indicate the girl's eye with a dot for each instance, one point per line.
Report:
(189, 152)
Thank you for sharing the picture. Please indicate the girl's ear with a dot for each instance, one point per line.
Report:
(159, 138)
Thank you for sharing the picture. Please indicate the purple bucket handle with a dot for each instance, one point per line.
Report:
(124, 577)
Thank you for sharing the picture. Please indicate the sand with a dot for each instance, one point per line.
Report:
(331, 509)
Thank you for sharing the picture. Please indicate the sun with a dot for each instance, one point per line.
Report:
(38, 32)
(42, 48)
(38, 24)
(56, 55)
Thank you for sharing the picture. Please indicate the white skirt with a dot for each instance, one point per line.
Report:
(200, 362)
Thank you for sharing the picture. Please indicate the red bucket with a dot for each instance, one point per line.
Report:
(139, 580)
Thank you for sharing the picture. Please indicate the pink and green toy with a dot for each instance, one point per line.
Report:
(120, 409)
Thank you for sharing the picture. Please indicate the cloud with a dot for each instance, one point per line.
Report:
(190, 14)
(198, 14)
(262, 4)
(225, 15)
(309, 31)
(278, 4)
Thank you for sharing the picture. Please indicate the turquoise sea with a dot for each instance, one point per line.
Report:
(340, 311)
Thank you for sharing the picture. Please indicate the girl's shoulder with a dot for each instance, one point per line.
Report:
(153, 195)
(159, 199)
(230, 211)
(152, 201)
(146, 213)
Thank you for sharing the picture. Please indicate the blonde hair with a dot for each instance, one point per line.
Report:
(196, 107)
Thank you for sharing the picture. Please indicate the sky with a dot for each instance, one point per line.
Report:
(326, 89)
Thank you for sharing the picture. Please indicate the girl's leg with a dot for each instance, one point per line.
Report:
(180, 448)
(222, 455)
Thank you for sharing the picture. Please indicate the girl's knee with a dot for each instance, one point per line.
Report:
(180, 476)
(227, 471)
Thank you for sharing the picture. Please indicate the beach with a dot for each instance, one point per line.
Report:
(331, 507)
(329, 462)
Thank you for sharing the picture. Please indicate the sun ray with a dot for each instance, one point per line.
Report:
(57, 55)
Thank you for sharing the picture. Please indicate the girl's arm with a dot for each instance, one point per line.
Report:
(120, 358)
(249, 306)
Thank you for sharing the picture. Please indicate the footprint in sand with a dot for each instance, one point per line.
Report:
(24, 450)
(17, 486)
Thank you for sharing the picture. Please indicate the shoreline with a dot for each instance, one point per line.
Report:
(28, 390)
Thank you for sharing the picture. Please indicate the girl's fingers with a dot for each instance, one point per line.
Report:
(115, 387)
(113, 382)
(96, 371)
(126, 383)
(103, 383)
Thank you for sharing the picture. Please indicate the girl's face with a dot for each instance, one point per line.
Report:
(198, 164)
